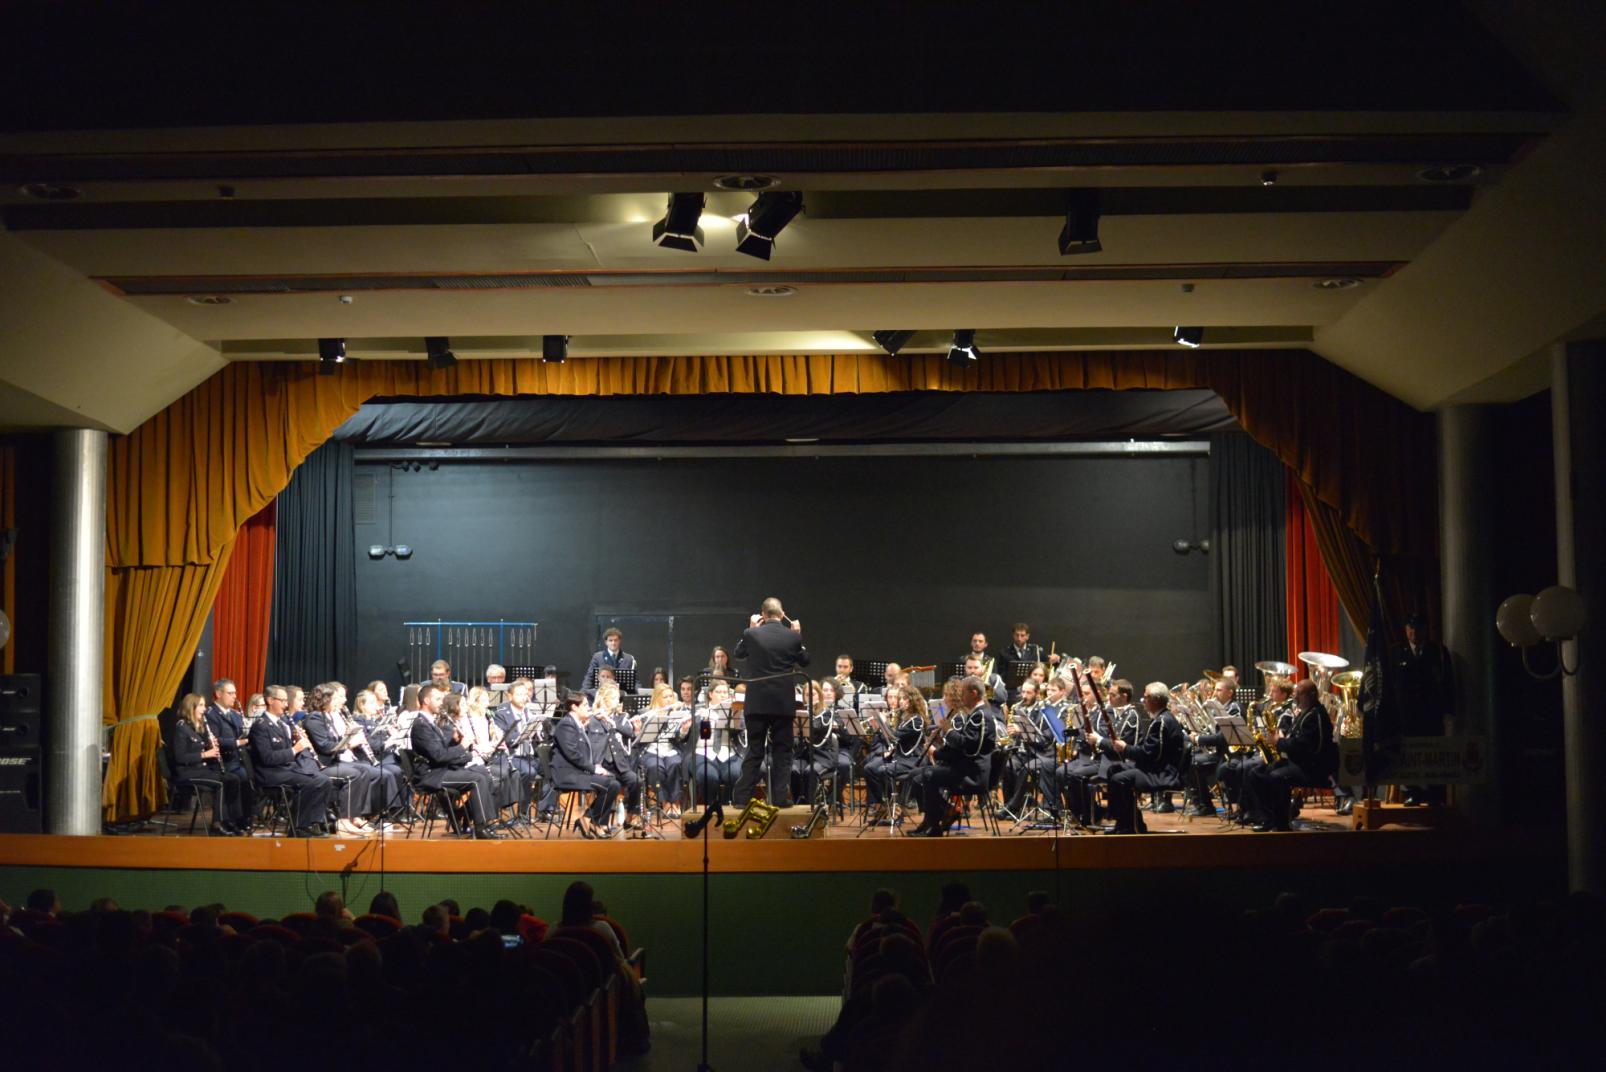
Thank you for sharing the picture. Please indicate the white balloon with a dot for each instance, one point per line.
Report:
(1513, 622)
(1558, 613)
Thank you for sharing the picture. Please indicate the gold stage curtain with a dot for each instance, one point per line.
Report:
(182, 484)
(1407, 583)
(154, 618)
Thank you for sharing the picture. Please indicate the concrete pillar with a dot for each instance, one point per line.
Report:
(1466, 569)
(74, 669)
(1577, 391)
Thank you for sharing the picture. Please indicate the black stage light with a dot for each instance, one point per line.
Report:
(438, 352)
(1189, 337)
(892, 341)
(771, 211)
(678, 229)
(1081, 231)
(554, 348)
(331, 353)
(963, 351)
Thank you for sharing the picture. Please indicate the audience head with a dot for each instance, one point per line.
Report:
(330, 906)
(44, 902)
(385, 904)
(952, 897)
(577, 905)
(881, 900)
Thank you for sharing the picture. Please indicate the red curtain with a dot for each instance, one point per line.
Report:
(1312, 599)
(244, 602)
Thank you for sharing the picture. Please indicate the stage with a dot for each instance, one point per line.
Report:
(800, 897)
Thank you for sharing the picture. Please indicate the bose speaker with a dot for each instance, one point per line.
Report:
(20, 811)
(19, 711)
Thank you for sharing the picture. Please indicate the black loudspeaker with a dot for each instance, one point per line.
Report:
(20, 806)
(19, 711)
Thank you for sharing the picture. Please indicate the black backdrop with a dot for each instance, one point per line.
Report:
(887, 557)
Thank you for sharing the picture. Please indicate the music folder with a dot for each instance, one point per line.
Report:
(1235, 731)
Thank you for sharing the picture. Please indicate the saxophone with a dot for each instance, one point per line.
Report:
(1268, 725)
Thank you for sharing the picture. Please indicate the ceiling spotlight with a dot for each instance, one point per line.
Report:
(554, 349)
(50, 191)
(403, 551)
(963, 352)
(679, 228)
(771, 211)
(892, 341)
(1189, 337)
(1450, 173)
(331, 354)
(1081, 231)
(746, 182)
(438, 352)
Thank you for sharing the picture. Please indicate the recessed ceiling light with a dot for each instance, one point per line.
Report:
(1450, 173)
(1337, 284)
(802, 439)
(50, 191)
(209, 299)
(747, 182)
(771, 290)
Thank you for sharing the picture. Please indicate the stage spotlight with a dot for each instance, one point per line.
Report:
(1081, 231)
(963, 352)
(1189, 337)
(403, 551)
(377, 550)
(771, 211)
(892, 341)
(554, 349)
(438, 352)
(679, 228)
(331, 354)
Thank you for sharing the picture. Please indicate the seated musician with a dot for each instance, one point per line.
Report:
(663, 762)
(850, 746)
(1152, 763)
(960, 762)
(1210, 753)
(612, 729)
(717, 761)
(281, 755)
(893, 761)
(1038, 757)
(1088, 764)
(819, 765)
(974, 667)
(198, 761)
(512, 719)
(440, 675)
(228, 726)
(1233, 773)
(487, 742)
(719, 665)
(495, 674)
(577, 766)
(443, 763)
(385, 740)
(1307, 756)
(894, 675)
(357, 782)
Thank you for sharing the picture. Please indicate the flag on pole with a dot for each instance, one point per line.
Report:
(1373, 700)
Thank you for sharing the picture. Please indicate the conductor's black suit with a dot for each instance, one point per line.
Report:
(769, 648)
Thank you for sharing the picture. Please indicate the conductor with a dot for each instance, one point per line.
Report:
(771, 646)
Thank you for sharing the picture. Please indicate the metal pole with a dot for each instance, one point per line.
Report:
(74, 669)
(1466, 563)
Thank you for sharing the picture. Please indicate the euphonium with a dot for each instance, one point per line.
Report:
(1348, 685)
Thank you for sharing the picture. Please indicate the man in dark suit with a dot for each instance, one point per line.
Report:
(282, 755)
(223, 718)
(613, 656)
(771, 646)
(1308, 756)
(440, 672)
(1151, 762)
(443, 763)
(963, 757)
(1424, 687)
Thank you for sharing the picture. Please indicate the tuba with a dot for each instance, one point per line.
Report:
(1322, 668)
(1348, 684)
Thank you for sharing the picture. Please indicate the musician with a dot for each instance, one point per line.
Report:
(960, 763)
(1038, 757)
(978, 648)
(357, 784)
(1232, 775)
(1152, 763)
(719, 757)
(1307, 755)
(440, 675)
(892, 762)
(1087, 763)
(612, 729)
(224, 720)
(577, 766)
(821, 758)
(495, 674)
(487, 742)
(1210, 752)
(443, 761)
(512, 720)
(974, 665)
(775, 648)
(197, 761)
(663, 762)
(1023, 650)
(719, 665)
(384, 740)
(282, 755)
(848, 686)
(894, 676)
(612, 655)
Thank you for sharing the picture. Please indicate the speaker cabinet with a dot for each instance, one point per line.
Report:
(19, 711)
(21, 810)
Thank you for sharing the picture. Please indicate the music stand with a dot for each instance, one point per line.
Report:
(1019, 672)
(1235, 731)
(951, 669)
(875, 672)
(1056, 725)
